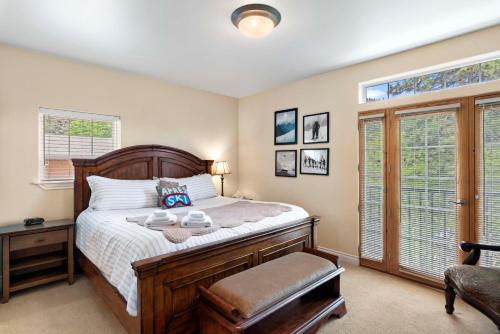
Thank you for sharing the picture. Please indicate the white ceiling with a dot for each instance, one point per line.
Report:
(193, 42)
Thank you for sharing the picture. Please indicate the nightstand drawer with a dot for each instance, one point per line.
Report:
(38, 239)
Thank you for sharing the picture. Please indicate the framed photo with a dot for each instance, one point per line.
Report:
(286, 163)
(314, 161)
(285, 127)
(316, 128)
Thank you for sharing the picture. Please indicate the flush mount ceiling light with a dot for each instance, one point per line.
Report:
(256, 20)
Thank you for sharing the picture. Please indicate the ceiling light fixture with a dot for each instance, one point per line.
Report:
(256, 20)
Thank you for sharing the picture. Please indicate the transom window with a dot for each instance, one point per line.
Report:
(427, 81)
(65, 135)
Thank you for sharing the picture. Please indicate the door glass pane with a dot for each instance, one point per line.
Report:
(489, 184)
(372, 189)
(428, 217)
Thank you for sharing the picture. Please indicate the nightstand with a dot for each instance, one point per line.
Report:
(35, 255)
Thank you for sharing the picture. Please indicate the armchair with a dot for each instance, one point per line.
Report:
(476, 285)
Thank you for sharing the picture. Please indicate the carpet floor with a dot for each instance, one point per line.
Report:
(376, 303)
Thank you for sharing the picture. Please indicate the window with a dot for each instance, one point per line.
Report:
(427, 81)
(372, 189)
(65, 135)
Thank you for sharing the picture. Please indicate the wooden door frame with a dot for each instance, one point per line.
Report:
(468, 119)
(392, 178)
(382, 266)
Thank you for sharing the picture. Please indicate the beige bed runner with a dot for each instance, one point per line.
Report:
(226, 216)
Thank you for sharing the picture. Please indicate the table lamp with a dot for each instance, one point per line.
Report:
(222, 168)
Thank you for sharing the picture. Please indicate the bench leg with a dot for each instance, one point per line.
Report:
(449, 293)
(340, 311)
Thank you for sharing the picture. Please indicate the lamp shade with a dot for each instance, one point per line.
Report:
(221, 168)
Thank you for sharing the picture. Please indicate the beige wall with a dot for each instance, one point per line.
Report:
(152, 112)
(208, 125)
(335, 197)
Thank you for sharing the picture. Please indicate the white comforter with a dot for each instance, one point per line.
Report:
(112, 244)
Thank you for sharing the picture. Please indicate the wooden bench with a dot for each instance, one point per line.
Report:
(292, 294)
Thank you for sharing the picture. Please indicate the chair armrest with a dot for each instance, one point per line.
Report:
(475, 251)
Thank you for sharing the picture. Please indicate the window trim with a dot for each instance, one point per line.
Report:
(68, 183)
(362, 86)
(54, 184)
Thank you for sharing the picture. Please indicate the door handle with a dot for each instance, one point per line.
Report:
(460, 202)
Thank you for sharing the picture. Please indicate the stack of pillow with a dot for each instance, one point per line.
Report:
(113, 194)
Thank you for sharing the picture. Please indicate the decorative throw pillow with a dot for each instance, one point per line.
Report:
(165, 184)
(199, 186)
(173, 197)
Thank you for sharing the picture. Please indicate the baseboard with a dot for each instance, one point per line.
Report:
(343, 257)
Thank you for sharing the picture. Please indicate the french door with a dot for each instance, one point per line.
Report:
(486, 195)
(413, 226)
(428, 203)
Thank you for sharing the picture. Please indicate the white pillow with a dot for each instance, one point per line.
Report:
(198, 186)
(112, 194)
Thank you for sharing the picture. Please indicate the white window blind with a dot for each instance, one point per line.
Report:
(65, 135)
(488, 198)
(371, 177)
(428, 177)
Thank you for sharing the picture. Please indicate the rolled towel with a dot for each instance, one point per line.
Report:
(161, 213)
(197, 219)
(137, 219)
(140, 220)
(160, 219)
(188, 223)
(153, 221)
(196, 215)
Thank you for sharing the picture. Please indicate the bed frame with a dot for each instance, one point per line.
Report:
(167, 284)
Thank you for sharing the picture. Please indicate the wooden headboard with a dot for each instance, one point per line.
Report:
(135, 163)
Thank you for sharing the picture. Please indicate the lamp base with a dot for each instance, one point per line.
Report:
(222, 184)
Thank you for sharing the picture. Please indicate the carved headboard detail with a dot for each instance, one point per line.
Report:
(134, 163)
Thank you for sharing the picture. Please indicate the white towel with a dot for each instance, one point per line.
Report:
(186, 222)
(157, 222)
(161, 213)
(196, 214)
(160, 219)
(139, 220)
(196, 219)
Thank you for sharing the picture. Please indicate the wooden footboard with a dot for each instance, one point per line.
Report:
(167, 284)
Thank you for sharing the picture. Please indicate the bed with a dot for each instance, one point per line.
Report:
(149, 283)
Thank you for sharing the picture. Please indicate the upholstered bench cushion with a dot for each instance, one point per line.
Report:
(257, 288)
(480, 284)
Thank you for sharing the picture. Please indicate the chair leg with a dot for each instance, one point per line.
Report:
(449, 294)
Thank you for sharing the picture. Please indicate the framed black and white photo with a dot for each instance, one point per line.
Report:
(315, 161)
(285, 127)
(286, 163)
(316, 128)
